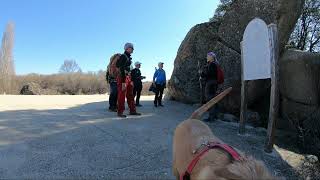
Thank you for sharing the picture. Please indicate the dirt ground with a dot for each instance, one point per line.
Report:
(63, 137)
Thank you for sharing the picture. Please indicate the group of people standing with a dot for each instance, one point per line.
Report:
(126, 82)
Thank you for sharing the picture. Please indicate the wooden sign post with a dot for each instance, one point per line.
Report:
(274, 96)
(259, 60)
(255, 61)
(243, 111)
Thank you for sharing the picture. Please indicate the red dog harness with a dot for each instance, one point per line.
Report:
(233, 153)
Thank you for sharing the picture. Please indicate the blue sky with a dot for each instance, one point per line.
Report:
(49, 31)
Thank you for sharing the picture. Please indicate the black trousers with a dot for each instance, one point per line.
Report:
(113, 95)
(210, 92)
(137, 88)
(159, 94)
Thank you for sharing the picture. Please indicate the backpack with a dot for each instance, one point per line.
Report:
(112, 69)
(220, 75)
(153, 88)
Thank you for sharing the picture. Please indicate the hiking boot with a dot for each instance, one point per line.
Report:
(135, 114)
(122, 115)
(161, 105)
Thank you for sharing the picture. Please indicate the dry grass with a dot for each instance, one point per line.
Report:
(72, 83)
(69, 84)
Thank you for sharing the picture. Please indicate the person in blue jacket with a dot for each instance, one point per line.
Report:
(159, 81)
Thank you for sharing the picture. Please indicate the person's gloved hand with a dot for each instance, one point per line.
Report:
(143, 77)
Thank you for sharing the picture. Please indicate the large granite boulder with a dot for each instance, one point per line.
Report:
(300, 96)
(284, 13)
(299, 86)
(305, 120)
(36, 89)
(224, 38)
(297, 113)
(300, 77)
(184, 84)
(31, 89)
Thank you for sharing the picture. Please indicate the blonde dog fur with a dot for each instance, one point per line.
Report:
(216, 164)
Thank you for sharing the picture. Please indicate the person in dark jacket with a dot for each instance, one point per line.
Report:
(125, 85)
(137, 82)
(159, 80)
(209, 75)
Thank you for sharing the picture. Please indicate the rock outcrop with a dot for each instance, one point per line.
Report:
(224, 38)
(35, 89)
(300, 84)
(184, 84)
(31, 89)
(300, 77)
(300, 97)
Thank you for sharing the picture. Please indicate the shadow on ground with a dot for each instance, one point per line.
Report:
(86, 141)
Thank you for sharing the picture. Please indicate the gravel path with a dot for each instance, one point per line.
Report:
(78, 138)
(47, 137)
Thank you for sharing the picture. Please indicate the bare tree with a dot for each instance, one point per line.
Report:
(70, 66)
(306, 35)
(7, 68)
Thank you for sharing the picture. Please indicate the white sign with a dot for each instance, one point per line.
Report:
(256, 51)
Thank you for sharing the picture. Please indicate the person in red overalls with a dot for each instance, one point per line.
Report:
(124, 83)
